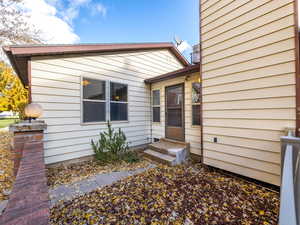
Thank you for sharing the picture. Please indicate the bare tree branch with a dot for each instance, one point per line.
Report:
(14, 26)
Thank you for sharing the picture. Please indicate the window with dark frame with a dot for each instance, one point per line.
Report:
(118, 102)
(156, 106)
(196, 103)
(93, 100)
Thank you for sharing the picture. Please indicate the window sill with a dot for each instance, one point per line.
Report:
(104, 122)
(195, 126)
(156, 123)
(119, 121)
(92, 123)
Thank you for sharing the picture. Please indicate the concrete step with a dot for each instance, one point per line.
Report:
(158, 148)
(163, 144)
(160, 157)
(167, 147)
(174, 141)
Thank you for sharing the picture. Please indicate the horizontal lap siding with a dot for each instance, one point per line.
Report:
(248, 72)
(56, 87)
(192, 133)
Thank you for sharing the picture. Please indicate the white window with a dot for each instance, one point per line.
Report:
(196, 103)
(93, 100)
(118, 102)
(156, 106)
(103, 100)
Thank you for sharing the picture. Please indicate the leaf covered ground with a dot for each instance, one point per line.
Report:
(66, 174)
(173, 195)
(6, 165)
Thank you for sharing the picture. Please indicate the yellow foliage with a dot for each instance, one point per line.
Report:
(261, 212)
(13, 96)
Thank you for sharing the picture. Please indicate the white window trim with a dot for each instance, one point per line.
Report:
(89, 100)
(107, 101)
(156, 106)
(119, 121)
(192, 104)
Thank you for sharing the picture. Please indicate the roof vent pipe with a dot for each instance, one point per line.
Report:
(196, 54)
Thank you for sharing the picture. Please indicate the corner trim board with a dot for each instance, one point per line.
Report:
(297, 65)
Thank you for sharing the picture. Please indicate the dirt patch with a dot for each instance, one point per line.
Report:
(6, 165)
(173, 195)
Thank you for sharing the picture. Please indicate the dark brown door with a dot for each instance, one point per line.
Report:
(175, 112)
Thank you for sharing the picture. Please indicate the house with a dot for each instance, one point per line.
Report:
(231, 109)
(80, 87)
(176, 106)
(6, 114)
(250, 81)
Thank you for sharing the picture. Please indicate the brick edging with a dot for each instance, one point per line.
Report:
(29, 200)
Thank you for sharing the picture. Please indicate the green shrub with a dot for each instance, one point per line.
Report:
(112, 146)
(131, 157)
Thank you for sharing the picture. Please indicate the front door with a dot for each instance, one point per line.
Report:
(175, 112)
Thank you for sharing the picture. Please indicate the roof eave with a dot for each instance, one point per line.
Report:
(17, 54)
(177, 73)
(48, 50)
(9, 54)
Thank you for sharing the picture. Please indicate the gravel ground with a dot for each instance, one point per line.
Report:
(6, 165)
(173, 195)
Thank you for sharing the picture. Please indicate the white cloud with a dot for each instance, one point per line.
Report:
(99, 8)
(53, 29)
(184, 46)
(73, 7)
(54, 18)
(72, 10)
(70, 14)
(79, 2)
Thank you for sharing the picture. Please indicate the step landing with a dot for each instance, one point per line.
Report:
(168, 152)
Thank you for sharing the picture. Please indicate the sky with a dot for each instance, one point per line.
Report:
(115, 21)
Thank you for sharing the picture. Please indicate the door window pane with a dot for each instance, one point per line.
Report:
(93, 89)
(93, 111)
(174, 117)
(118, 92)
(196, 92)
(196, 115)
(174, 96)
(118, 111)
(156, 114)
(156, 97)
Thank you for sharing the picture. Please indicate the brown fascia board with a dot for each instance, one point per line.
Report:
(13, 62)
(177, 73)
(47, 50)
(17, 53)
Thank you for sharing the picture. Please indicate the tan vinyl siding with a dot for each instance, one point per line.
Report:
(248, 77)
(56, 86)
(192, 133)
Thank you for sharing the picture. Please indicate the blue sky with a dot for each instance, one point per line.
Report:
(140, 21)
(114, 21)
